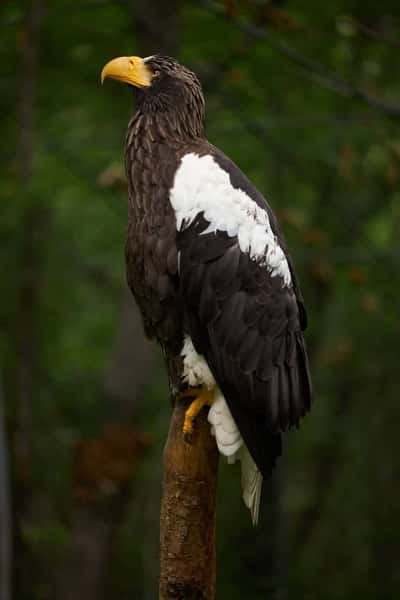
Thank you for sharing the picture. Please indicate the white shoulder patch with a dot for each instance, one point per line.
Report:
(201, 185)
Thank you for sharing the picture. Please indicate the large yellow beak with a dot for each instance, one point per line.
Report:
(128, 69)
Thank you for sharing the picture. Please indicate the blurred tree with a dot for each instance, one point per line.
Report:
(5, 510)
(34, 216)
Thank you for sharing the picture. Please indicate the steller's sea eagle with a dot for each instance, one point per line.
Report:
(208, 266)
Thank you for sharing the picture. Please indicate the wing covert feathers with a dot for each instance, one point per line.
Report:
(242, 305)
(247, 327)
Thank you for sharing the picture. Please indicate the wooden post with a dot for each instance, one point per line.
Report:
(188, 507)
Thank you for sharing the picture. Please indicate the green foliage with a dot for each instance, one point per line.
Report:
(330, 167)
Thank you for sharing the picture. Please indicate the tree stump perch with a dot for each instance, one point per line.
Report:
(188, 511)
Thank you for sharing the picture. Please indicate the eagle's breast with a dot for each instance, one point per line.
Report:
(151, 243)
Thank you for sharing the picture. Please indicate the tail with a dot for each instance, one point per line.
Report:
(230, 444)
(251, 484)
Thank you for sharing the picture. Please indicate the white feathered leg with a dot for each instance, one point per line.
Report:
(230, 444)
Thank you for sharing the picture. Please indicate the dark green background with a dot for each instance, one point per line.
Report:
(290, 89)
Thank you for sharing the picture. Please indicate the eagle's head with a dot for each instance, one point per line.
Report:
(160, 82)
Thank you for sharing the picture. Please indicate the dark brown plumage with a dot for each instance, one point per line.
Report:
(243, 316)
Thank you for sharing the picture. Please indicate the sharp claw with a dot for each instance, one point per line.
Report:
(187, 429)
(200, 398)
(188, 436)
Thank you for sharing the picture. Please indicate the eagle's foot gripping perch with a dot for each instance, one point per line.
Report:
(200, 397)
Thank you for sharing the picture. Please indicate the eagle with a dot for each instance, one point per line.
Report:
(210, 271)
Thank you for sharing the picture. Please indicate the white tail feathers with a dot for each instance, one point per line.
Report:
(230, 444)
(251, 483)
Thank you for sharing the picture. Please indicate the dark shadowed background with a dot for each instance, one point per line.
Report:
(305, 97)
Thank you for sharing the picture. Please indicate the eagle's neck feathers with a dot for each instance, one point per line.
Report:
(169, 126)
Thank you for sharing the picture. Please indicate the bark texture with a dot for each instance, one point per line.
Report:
(188, 508)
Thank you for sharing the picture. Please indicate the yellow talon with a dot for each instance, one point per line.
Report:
(202, 397)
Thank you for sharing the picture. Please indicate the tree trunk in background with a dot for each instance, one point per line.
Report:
(156, 24)
(131, 361)
(188, 512)
(27, 343)
(32, 226)
(5, 510)
(95, 517)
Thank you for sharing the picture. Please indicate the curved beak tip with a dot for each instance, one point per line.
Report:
(104, 73)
